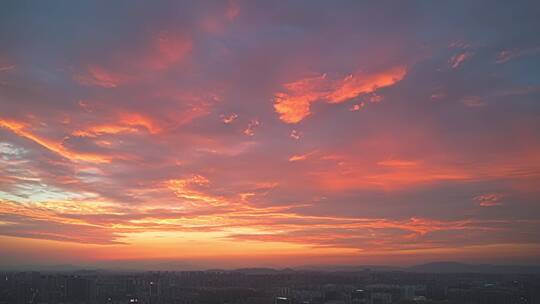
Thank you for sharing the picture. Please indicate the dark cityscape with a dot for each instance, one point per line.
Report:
(267, 286)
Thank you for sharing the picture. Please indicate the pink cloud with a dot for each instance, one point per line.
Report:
(457, 60)
(488, 199)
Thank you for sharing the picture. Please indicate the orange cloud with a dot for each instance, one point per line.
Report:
(389, 180)
(21, 130)
(293, 105)
(301, 157)
(297, 158)
(389, 174)
(187, 189)
(127, 122)
(103, 129)
(136, 119)
(397, 163)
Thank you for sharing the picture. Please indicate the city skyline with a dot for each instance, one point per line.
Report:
(234, 134)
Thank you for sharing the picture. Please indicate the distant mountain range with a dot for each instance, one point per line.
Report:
(435, 267)
(350, 268)
(455, 267)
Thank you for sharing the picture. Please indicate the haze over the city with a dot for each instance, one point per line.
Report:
(224, 134)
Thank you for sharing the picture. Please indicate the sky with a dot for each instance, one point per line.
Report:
(269, 133)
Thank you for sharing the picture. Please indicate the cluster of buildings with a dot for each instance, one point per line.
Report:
(271, 287)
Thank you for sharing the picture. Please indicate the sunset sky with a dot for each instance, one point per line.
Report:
(269, 133)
